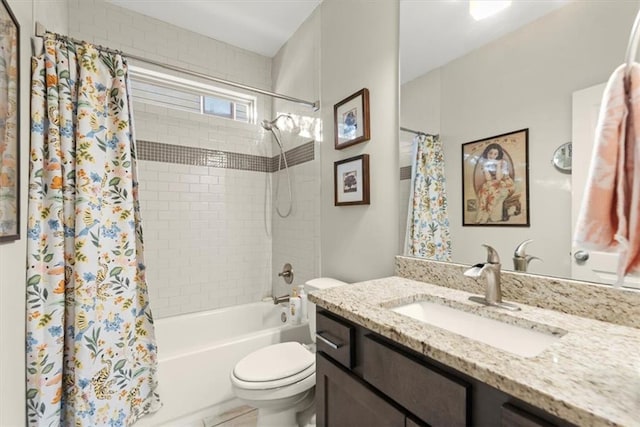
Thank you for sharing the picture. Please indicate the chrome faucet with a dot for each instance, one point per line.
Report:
(490, 270)
(520, 259)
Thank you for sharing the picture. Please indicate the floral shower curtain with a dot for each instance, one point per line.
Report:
(91, 352)
(427, 233)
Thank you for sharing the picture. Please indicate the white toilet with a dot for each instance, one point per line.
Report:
(279, 379)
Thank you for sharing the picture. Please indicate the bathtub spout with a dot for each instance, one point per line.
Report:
(283, 298)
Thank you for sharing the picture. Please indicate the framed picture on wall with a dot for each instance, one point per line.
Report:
(9, 125)
(351, 119)
(495, 181)
(351, 181)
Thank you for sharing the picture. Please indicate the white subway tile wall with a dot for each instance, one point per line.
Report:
(210, 234)
(205, 240)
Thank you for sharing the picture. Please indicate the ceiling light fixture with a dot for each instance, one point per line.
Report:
(481, 9)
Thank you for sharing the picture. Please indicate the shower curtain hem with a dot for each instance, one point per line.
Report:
(155, 404)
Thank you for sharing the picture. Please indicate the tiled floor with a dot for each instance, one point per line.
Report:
(243, 416)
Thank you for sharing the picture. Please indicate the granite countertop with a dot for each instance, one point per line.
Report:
(591, 376)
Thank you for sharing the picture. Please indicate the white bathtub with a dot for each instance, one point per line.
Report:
(198, 351)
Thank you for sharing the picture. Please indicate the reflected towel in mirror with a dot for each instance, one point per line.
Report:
(608, 217)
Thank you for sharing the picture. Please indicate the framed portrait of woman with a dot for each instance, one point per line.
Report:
(495, 182)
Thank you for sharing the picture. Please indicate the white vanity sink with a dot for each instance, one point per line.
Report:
(512, 338)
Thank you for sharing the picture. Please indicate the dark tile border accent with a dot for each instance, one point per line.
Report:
(405, 172)
(195, 156)
(295, 156)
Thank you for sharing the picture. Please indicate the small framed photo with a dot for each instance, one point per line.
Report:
(351, 120)
(495, 182)
(351, 181)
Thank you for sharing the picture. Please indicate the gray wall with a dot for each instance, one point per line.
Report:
(360, 49)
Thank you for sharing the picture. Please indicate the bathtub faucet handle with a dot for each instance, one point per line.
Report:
(287, 273)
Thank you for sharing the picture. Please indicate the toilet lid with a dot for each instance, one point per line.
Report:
(274, 362)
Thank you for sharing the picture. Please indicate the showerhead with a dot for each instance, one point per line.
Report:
(267, 125)
(270, 125)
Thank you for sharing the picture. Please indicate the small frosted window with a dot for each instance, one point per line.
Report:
(218, 107)
(172, 92)
(242, 113)
(164, 96)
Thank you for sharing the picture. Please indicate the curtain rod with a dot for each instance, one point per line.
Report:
(417, 132)
(41, 31)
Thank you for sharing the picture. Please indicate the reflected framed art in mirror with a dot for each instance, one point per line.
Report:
(495, 184)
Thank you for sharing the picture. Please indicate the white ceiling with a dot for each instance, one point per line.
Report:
(432, 32)
(261, 26)
(452, 32)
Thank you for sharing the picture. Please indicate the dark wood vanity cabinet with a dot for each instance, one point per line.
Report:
(363, 379)
(346, 400)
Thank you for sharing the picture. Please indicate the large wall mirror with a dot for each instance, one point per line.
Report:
(9, 140)
(525, 77)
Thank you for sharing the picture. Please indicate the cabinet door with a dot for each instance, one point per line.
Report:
(344, 400)
(437, 398)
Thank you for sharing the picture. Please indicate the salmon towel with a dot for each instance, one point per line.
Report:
(608, 217)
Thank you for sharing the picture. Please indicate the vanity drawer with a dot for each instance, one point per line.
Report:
(434, 397)
(335, 338)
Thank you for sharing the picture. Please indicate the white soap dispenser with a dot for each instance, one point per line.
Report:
(303, 302)
(294, 307)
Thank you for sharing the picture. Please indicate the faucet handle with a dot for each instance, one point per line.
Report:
(521, 248)
(530, 258)
(492, 255)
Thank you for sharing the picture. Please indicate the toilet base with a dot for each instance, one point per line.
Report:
(307, 417)
(275, 414)
(268, 417)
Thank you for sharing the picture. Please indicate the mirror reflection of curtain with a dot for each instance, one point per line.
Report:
(91, 351)
(427, 234)
(8, 128)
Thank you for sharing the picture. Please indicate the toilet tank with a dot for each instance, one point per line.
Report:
(317, 285)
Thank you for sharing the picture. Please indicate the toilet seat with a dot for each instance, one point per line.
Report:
(274, 366)
(267, 385)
